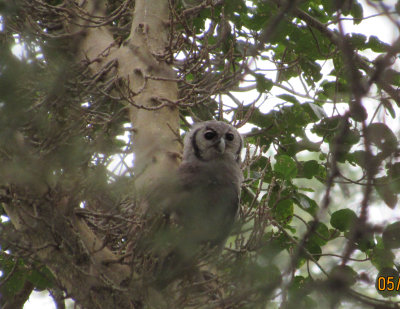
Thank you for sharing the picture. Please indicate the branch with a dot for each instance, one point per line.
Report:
(75, 255)
(373, 73)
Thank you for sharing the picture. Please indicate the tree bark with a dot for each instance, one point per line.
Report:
(151, 83)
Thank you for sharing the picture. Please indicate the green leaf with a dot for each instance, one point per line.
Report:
(377, 45)
(317, 111)
(391, 236)
(189, 77)
(298, 291)
(285, 166)
(321, 235)
(343, 276)
(310, 169)
(255, 22)
(343, 219)
(235, 6)
(314, 249)
(299, 285)
(274, 246)
(306, 203)
(263, 120)
(334, 233)
(384, 138)
(358, 41)
(14, 284)
(329, 6)
(199, 20)
(365, 240)
(357, 157)
(311, 70)
(389, 107)
(358, 112)
(392, 76)
(357, 12)
(283, 211)
(263, 83)
(338, 91)
(42, 279)
(381, 258)
(383, 186)
(16, 275)
(288, 98)
(327, 127)
(394, 170)
(352, 137)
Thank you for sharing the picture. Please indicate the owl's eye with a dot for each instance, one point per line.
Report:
(229, 136)
(209, 135)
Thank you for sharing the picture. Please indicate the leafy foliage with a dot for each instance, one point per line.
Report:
(316, 106)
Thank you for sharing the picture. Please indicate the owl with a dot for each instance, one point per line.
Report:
(201, 201)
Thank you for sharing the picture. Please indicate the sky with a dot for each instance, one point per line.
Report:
(378, 26)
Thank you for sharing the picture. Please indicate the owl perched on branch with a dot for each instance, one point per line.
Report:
(199, 204)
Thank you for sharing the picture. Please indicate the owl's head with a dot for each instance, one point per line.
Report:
(212, 140)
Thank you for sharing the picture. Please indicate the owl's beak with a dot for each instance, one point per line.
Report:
(220, 146)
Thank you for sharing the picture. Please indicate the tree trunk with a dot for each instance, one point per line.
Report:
(151, 86)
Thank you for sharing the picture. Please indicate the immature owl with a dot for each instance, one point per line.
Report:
(203, 198)
(211, 177)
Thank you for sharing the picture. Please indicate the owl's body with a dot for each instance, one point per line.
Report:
(213, 200)
(203, 198)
